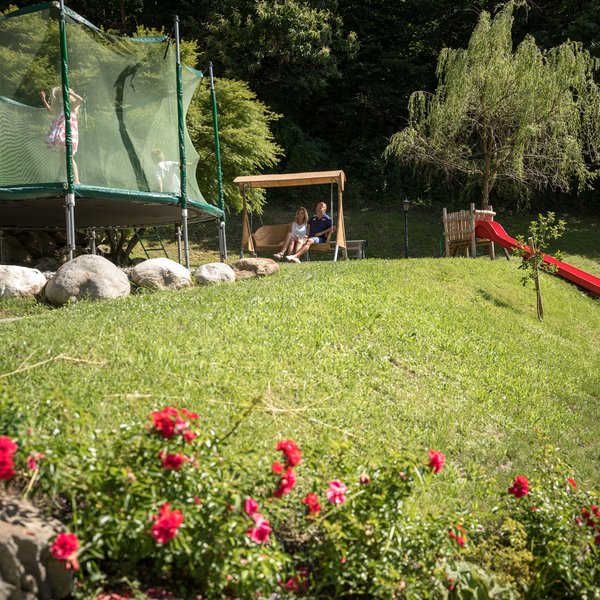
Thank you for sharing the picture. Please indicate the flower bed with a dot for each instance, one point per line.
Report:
(161, 506)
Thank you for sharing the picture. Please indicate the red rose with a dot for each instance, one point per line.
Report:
(520, 487)
(188, 436)
(290, 450)
(286, 483)
(436, 461)
(165, 421)
(572, 483)
(312, 501)
(167, 523)
(277, 467)
(7, 450)
(64, 548)
(173, 461)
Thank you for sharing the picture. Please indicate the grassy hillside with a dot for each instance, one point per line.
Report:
(372, 355)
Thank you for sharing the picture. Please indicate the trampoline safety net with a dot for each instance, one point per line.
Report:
(124, 113)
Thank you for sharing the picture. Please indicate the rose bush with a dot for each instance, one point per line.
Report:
(158, 503)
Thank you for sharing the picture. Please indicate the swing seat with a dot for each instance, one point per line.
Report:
(269, 238)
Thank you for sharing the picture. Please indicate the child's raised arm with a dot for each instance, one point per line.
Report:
(45, 101)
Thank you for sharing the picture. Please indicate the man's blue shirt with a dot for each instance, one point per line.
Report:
(318, 225)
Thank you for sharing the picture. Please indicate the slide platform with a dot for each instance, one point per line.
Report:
(493, 231)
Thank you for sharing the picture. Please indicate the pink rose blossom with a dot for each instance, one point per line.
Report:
(250, 506)
(436, 461)
(261, 531)
(336, 491)
(32, 460)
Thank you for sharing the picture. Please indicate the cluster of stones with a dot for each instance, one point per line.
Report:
(27, 569)
(93, 277)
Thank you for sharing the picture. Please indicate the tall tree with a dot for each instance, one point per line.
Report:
(526, 118)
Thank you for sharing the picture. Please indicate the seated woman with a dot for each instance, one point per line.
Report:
(297, 235)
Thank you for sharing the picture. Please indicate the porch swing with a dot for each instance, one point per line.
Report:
(269, 238)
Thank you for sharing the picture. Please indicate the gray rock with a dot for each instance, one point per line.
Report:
(214, 273)
(161, 274)
(247, 267)
(87, 277)
(27, 568)
(20, 282)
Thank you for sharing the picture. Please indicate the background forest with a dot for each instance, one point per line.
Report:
(340, 73)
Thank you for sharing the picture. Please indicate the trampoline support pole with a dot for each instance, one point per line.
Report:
(70, 214)
(93, 237)
(179, 244)
(186, 247)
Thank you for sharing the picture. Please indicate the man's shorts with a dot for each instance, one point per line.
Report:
(317, 240)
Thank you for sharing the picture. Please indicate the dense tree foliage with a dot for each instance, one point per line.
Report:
(340, 72)
(524, 118)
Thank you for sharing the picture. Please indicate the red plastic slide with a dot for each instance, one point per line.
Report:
(491, 230)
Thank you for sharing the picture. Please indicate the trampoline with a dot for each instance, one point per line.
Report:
(92, 128)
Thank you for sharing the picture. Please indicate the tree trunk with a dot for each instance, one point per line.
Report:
(536, 279)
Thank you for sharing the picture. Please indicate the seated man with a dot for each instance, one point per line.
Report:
(320, 226)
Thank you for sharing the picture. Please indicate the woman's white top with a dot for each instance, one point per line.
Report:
(299, 230)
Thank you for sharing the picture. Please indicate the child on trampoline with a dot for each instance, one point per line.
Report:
(166, 172)
(297, 236)
(56, 136)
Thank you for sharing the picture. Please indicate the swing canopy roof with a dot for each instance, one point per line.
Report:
(128, 115)
(292, 179)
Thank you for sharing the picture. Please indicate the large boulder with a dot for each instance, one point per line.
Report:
(252, 267)
(160, 274)
(88, 277)
(214, 273)
(20, 282)
(27, 569)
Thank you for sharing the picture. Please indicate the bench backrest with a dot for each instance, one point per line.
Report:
(269, 237)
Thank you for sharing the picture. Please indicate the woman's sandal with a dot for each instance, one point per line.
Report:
(279, 255)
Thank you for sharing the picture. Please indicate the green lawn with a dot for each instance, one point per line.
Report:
(375, 354)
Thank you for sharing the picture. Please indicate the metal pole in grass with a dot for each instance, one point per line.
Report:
(213, 102)
(64, 72)
(182, 165)
(405, 206)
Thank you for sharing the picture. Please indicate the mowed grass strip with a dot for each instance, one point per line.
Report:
(374, 355)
